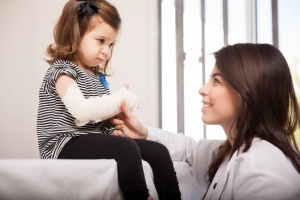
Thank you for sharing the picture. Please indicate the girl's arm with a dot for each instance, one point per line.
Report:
(94, 109)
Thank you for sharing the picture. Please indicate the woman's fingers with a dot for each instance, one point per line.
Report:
(120, 133)
(124, 109)
(116, 121)
(118, 124)
(117, 133)
(119, 127)
(128, 122)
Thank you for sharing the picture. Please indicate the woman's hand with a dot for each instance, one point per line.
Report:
(128, 122)
(117, 133)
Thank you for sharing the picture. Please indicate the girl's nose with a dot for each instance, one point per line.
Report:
(106, 50)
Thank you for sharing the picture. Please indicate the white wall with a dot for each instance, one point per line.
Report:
(26, 30)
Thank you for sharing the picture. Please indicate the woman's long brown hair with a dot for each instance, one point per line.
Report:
(71, 26)
(269, 110)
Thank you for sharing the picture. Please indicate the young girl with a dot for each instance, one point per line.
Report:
(250, 94)
(75, 102)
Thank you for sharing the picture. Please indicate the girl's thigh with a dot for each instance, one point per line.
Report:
(99, 146)
(153, 152)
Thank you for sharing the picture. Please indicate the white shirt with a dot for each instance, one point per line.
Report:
(263, 172)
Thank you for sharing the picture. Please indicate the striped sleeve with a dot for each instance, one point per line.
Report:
(54, 72)
(106, 127)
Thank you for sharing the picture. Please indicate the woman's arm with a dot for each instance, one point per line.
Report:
(199, 155)
(179, 146)
(182, 148)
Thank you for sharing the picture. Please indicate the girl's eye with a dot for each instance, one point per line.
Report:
(111, 45)
(101, 40)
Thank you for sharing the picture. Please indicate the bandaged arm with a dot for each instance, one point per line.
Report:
(96, 109)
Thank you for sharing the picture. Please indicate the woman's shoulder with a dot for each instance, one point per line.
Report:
(259, 145)
(266, 157)
(262, 153)
(263, 172)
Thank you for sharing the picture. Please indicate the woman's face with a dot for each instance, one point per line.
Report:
(221, 103)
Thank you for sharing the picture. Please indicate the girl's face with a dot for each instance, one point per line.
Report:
(221, 103)
(96, 46)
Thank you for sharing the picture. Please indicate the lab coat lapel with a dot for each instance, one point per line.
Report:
(215, 183)
(223, 179)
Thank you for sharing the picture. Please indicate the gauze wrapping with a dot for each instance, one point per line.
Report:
(96, 109)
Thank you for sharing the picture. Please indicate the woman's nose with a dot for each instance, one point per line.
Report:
(203, 90)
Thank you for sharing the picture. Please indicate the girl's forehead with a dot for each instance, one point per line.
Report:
(105, 30)
(101, 28)
(94, 22)
(97, 21)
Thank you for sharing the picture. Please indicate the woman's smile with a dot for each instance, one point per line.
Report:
(206, 106)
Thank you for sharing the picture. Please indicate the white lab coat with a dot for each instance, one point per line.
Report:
(263, 172)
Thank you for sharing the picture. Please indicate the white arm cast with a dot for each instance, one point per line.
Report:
(96, 109)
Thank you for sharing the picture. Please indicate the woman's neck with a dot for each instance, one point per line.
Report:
(231, 132)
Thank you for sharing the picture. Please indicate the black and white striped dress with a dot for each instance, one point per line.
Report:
(55, 125)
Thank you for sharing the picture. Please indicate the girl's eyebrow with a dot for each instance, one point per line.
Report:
(105, 38)
(101, 36)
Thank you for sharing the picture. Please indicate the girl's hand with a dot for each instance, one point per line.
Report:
(128, 122)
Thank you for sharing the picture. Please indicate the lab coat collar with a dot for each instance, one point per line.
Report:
(221, 176)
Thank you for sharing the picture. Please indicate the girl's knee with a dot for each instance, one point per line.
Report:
(128, 143)
(127, 147)
(160, 149)
(159, 154)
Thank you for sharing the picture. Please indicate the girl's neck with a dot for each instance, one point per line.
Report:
(85, 68)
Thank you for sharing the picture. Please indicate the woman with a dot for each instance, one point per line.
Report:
(250, 94)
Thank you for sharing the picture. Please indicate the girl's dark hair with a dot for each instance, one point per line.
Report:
(269, 109)
(71, 26)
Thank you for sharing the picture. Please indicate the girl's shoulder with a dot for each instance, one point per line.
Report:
(63, 64)
(69, 67)
(61, 67)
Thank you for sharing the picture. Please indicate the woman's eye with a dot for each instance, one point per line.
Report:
(216, 80)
